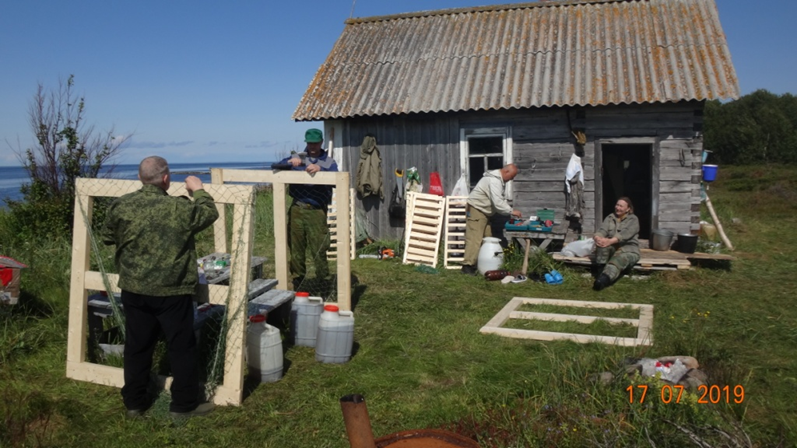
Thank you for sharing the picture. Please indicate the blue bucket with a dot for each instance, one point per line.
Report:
(709, 173)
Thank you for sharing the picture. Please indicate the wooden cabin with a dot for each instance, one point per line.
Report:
(461, 91)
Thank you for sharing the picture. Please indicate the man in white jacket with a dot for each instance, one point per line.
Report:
(487, 198)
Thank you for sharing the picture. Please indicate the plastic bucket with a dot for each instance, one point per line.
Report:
(687, 243)
(491, 255)
(305, 312)
(709, 173)
(661, 239)
(263, 350)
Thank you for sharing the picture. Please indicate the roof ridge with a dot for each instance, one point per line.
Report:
(486, 8)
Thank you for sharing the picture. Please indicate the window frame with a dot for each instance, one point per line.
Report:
(504, 132)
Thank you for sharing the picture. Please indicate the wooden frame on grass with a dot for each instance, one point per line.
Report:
(279, 180)
(83, 280)
(644, 323)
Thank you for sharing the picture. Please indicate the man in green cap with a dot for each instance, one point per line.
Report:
(307, 216)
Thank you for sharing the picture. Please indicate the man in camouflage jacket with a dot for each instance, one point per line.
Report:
(156, 260)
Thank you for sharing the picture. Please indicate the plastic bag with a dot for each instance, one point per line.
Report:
(435, 185)
(413, 180)
(461, 187)
(580, 248)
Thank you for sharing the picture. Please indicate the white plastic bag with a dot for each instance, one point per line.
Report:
(581, 248)
(461, 187)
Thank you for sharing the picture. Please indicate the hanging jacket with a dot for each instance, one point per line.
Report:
(369, 169)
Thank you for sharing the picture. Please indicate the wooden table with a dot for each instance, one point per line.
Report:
(528, 237)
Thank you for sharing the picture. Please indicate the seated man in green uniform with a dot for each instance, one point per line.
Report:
(617, 244)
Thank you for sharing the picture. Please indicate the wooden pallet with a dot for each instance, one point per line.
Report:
(644, 323)
(425, 215)
(332, 220)
(649, 260)
(454, 238)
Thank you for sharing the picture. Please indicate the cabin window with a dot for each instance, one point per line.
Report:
(485, 149)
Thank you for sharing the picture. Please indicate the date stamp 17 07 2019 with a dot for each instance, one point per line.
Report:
(672, 394)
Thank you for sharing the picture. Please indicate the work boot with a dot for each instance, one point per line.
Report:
(468, 269)
(202, 409)
(602, 282)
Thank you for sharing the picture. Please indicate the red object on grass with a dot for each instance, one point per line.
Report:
(5, 275)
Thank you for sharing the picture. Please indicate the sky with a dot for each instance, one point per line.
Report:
(212, 81)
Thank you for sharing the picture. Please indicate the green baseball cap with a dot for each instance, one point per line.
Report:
(313, 136)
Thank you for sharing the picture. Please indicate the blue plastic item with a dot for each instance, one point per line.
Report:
(518, 226)
(709, 173)
(554, 278)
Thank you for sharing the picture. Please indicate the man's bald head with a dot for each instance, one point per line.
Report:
(508, 172)
(154, 170)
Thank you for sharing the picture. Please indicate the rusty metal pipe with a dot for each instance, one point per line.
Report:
(358, 424)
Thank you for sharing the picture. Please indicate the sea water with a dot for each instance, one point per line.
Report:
(12, 177)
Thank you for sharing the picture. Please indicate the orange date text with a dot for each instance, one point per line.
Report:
(638, 393)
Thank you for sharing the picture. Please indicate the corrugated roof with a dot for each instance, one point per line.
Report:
(524, 55)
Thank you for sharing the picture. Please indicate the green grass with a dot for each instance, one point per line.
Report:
(596, 328)
(422, 363)
(623, 313)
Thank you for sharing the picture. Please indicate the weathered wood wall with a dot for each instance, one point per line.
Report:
(542, 147)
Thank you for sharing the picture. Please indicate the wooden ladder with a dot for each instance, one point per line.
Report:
(454, 239)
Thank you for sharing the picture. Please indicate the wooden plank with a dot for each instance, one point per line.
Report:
(281, 262)
(538, 335)
(578, 303)
(78, 295)
(220, 226)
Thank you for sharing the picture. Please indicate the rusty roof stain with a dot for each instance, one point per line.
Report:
(524, 55)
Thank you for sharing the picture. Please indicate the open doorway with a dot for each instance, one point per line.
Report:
(627, 172)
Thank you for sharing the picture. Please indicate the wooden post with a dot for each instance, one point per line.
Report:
(344, 243)
(717, 222)
(220, 226)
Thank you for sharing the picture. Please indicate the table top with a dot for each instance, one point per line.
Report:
(539, 235)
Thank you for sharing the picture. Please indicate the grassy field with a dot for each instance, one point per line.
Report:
(421, 362)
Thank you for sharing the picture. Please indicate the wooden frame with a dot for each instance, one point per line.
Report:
(83, 280)
(279, 180)
(425, 225)
(454, 238)
(644, 323)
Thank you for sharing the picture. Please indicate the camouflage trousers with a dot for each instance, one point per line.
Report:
(616, 261)
(308, 231)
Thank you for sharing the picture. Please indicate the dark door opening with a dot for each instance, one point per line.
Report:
(627, 172)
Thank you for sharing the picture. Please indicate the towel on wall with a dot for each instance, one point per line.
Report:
(573, 169)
